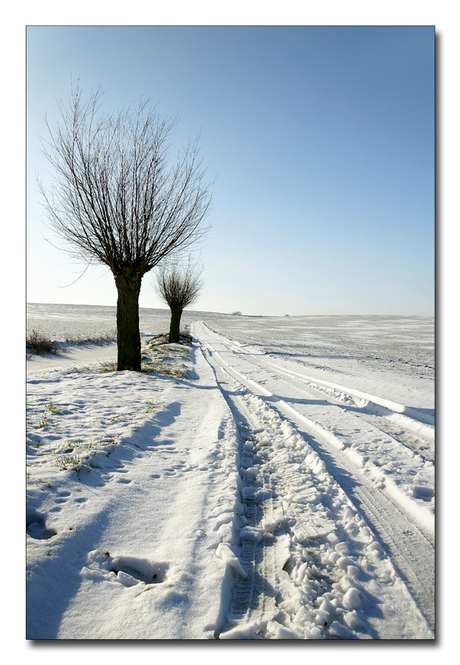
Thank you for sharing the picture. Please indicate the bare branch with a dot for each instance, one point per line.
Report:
(115, 199)
(179, 285)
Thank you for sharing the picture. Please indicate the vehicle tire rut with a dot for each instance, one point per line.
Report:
(412, 439)
(255, 601)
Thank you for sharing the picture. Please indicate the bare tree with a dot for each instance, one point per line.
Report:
(115, 200)
(179, 286)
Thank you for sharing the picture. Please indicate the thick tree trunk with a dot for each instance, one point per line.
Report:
(128, 284)
(174, 328)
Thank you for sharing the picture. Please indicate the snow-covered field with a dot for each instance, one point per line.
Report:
(275, 480)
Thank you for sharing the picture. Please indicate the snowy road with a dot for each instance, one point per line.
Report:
(401, 523)
(227, 493)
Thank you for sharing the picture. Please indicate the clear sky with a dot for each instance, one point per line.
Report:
(322, 142)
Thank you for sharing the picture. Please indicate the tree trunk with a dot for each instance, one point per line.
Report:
(128, 284)
(174, 328)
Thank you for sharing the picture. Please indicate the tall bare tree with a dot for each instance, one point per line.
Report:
(179, 286)
(116, 200)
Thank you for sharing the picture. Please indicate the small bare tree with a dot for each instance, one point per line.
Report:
(179, 286)
(116, 201)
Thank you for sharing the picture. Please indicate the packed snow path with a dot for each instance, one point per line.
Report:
(248, 498)
(131, 489)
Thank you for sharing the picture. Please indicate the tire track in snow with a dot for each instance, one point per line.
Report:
(414, 420)
(407, 546)
(402, 461)
(368, 408)
(253, 602)
(410, 549)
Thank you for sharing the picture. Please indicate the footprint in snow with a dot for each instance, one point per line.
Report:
(62, 499)
(62, 496)
(127, 570)
(36, 527)
(130, 571)
(422, 492)
(180, 466)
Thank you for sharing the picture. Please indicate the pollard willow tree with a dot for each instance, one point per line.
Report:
(179, 286)
(116, 200)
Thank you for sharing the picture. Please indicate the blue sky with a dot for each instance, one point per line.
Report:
(322, 142)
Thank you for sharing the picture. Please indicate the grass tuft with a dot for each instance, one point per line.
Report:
(40, 344)
(78, 455)
(102, 339)
(160, 357)
(163, 358)
(109, 366)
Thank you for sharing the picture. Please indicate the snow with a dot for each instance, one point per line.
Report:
(275, 480)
